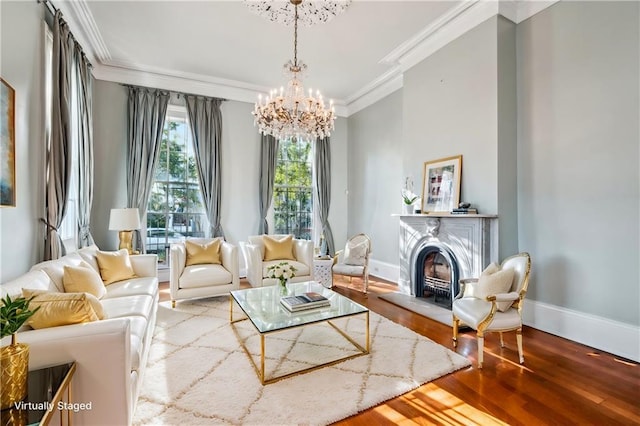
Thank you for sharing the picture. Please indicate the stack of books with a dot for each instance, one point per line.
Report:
(468, 210)
(304, 301)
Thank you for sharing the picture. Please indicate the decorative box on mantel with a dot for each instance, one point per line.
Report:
(468, 242)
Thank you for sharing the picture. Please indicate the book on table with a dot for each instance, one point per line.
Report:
(303, 301)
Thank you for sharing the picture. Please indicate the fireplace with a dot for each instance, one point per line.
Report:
(437, 251)
(437, 274)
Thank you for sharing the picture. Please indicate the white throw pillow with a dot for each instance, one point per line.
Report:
(355, 254)
(498, 282)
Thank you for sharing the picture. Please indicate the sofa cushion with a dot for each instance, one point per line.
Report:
(278, 248)
(83, 279)
(301, 268)
(132, 287)
(126, 306)
(56, 309)
(114, 265)
(203, 276)
(88, 254)
(36, 279)
(203, 253)
(55, 268)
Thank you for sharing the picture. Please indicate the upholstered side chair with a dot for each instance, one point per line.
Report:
(259, 258)
(488, 311)
(203, 267)
(353, 261)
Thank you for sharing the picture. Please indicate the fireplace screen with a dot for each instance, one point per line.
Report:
(436, 275)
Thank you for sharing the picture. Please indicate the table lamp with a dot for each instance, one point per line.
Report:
(125, 221)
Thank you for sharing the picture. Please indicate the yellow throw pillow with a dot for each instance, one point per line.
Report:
(83, 279)
(58, 309)
(114, 266)
(206, 253)
(278, 249)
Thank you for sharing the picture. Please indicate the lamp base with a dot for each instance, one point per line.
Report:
(126, 242)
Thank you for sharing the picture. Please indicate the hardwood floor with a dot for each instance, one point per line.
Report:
(561, 382)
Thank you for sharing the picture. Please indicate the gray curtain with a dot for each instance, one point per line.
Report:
(268, 163)
(205, 119)
(147, 109)
(323, 189)
(58, 157)
(84, 80)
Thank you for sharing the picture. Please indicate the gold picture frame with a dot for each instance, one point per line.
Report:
(441, 185)
(7, 145)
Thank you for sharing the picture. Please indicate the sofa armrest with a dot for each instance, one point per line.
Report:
(467, 287)
(229, 256)
(145, 265)
(177, 259)
(102, 353)
(254, 264)
(303, 250)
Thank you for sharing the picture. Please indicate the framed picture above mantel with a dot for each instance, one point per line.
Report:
(441, 185)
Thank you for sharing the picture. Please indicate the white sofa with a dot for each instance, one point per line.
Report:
(110, 354)
(257, 267)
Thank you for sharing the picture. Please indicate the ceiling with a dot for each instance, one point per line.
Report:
(224, 44)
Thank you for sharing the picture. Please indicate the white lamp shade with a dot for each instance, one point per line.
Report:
(124, 219)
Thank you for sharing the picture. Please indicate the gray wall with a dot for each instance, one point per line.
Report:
(240, 166)
(21, 65)
(375, 175)
(578, 156)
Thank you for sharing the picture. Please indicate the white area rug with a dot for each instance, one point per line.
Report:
(199, 374)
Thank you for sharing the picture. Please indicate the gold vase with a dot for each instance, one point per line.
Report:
(14, 361)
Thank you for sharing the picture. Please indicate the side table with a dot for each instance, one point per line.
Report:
(45, 390)
(322, 271)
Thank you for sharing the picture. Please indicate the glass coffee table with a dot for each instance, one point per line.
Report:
(262, 307)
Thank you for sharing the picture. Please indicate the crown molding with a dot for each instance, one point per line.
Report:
(457, 21)
(381, 87)
(166, 79)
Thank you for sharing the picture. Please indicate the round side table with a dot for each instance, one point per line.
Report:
(322, 271)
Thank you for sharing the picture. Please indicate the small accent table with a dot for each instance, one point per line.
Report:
(45, 390)
(322, 271)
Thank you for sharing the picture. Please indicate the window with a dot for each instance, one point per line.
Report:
(175, 208)
(293, 189)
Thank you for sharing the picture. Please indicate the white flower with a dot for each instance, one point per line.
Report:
(277, 272)
(287, 274)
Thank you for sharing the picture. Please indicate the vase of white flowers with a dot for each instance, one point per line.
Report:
(282, 272)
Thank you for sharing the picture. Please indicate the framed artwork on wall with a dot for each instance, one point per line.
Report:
(441, 185)
(7, 145)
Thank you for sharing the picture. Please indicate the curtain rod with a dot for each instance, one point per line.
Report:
(50, 6)
(173, 92)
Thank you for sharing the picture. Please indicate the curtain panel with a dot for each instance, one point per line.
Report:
(322, 165)
(268, 162)
(146, 110)
(205, 119)
(84, 80)
(58, 156)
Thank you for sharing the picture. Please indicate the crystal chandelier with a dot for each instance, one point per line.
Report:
(290, 113)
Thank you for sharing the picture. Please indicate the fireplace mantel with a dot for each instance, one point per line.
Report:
(473, 238)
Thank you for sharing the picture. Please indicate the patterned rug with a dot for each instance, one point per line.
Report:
(198, 373)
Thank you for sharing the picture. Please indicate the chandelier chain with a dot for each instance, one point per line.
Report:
(295, 38)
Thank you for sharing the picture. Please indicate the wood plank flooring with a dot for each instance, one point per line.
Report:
(561, 382)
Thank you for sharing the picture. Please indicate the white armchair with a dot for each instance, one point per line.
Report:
(203, 280)
(487, 311)
(254, 252)
(353, 261)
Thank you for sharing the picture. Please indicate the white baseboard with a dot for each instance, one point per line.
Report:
(384, 270)
(607, 335)
(615, 337)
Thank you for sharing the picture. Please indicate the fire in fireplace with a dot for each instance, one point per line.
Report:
(436, 275)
